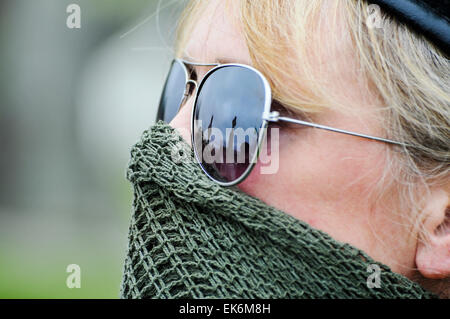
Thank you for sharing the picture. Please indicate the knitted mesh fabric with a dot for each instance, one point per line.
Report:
(191, 238)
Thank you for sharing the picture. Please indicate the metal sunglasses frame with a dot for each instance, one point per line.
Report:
(267, 116)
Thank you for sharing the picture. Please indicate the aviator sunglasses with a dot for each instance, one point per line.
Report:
(230, 98)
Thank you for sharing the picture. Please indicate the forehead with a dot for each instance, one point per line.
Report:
(217, 35)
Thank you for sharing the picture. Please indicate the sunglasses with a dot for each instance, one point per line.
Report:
(229, 99)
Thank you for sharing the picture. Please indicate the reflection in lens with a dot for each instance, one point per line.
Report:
(173, 93)
(230, 103)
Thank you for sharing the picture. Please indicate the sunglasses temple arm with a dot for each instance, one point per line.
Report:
(323, 127)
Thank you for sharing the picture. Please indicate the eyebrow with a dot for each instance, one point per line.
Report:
(228, 60)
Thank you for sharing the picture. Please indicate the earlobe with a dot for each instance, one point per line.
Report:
(433, 252)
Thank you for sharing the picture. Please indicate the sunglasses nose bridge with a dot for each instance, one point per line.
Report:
(191, 88)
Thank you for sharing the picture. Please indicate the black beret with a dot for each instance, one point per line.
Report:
(430, 18)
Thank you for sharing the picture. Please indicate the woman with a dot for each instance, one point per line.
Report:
(345, 66)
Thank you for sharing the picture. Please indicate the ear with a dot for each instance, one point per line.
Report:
(433, 254)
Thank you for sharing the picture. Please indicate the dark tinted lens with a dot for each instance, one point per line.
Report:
(173, 93)
(227, 121)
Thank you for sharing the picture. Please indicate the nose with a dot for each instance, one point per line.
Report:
(182, 121)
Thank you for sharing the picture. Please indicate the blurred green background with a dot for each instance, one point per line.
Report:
(73, 102)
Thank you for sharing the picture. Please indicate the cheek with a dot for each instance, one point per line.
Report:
(280, 185)
(317, 175)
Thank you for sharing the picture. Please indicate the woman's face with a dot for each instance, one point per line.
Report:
(324, 179)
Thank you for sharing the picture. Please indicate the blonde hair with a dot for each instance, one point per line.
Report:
(397, 68)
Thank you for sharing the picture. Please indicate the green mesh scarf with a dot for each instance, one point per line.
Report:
(191, 238)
